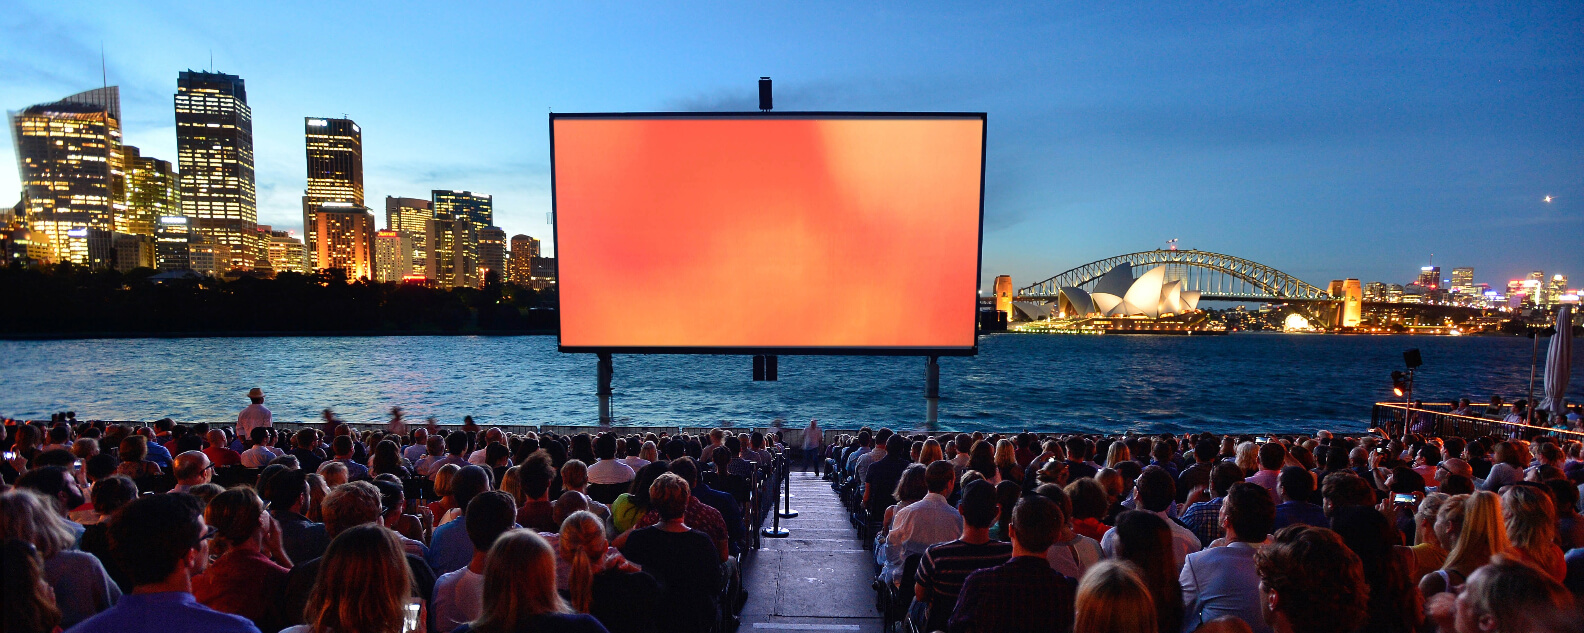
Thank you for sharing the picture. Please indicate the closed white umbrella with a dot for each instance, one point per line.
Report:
(1559, 363)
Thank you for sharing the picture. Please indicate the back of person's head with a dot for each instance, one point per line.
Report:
(1508, 595)
(605, 446)
(100, 466)
(1565, 495)
(898, 445)
(27, 516)
(569, 502)
(470, 481)
(1034, 523)
(938, 476)
(456, 443)
(1144, 539)
(1156, 489)
(342, 446)
(489, 515)
(535, 475)
(1059, 497)
(721, 456)
(54, 457)
(350, 505)
(519, 583)
(53, 483)
(1223, 476)
(1343, 489)
(668, 496)
(155, 535)
(1112, 598)
(334, 472)
(581, 545)
(363, 585)
(392, 495)
(1088, 499)
(978, 505)
(687, 469)
(1406, 480)
(283, 487)
(639, 488)
(1313, 580)
(1482, 534)
(1250, 512)
(1205, 451)
(1530, 517)
(236, 515)
(911, 486)
(1297, 483)
(30, 602)
(111, 493)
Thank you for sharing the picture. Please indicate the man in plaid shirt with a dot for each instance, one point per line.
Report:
(1204, 518)
(1025, 594)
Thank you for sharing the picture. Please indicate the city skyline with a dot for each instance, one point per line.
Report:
(1351, 144)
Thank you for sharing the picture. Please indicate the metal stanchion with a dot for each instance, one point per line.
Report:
(786, 480)
(776, 531)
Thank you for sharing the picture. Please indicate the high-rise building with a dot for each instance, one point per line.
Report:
(1463, 281)
(1555, 289)
(448, 264)
(214, 153)
(411, 216)
(543, 273)
(345, 239)
(208, 257)
(1535, 283)
(1394, 293)
(1375, 291)
(477, 211)
(1429, 277)
(393, 255)
(68, 161)
(523, 250)
(152, 192)
(172, 243)
(286, 253)
(133, 250)
(492, 253)
(335, 171)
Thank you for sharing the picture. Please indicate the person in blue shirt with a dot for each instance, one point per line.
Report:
(449, 547)
(161, 542)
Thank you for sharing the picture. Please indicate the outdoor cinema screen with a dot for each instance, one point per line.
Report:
(768, 233)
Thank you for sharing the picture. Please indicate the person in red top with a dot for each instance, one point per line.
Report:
(218, 453)
(249, 577)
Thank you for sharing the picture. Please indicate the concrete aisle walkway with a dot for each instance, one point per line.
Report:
(819, 578)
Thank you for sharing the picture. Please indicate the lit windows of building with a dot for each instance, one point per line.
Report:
(214, 153)
(492, 253)
(172, 244)
(345, 239)
(543, 274)
(152, 192)
(393, 255)
(448, 262)
(1462, 281)
(411, 216)
(335, 171)
(523, 250)
(69, 164)
(284, 252)
(208, 257)
(1429, 277)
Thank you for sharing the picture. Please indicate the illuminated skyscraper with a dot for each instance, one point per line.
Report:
(69, 163)
(335, 171)
(172, 243)
(411, 216)
(465, 205)
(523, 250)
(471, 212)
(1429, 277)
(1535, 283)
(392, 255)
(152, 192)
(492, 252)
(1556, 289)
(345, 239)
(1375, 291)
(1462, 281)
(214, 151)
(447, 263)
(286, 253)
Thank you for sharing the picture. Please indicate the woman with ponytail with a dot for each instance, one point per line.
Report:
(602, 583)
(519, 590)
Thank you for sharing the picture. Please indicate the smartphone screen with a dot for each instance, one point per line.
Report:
(1403, 498)
(410, 622)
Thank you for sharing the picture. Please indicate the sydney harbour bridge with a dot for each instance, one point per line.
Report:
(1216, 277)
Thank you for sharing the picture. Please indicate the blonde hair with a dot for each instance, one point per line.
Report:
(1248, 457)
(649, 453)
(1117, 454)
(443, 477)
(363, 584)
(1005, 455)
(931, 452)
(582, 545)
(1483, 535)
(27, 516)
(1449, 521)
(511, 485)
(1530, 517)
(519, 582)
(1112, 598)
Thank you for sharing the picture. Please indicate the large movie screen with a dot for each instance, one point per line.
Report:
(768, 233)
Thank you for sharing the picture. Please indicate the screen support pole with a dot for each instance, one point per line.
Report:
(603, 390)
(931, 391)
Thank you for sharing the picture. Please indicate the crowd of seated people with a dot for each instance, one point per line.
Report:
(980, 532)
(170, 527)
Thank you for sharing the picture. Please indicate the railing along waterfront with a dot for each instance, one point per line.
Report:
(1394, 417)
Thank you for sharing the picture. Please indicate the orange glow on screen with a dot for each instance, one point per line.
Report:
(795, 233)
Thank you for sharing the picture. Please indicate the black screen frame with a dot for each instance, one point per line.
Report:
(972, 350)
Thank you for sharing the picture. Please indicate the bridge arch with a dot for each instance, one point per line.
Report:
(1216, 276)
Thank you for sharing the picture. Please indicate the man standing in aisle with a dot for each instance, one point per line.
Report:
(254, 415)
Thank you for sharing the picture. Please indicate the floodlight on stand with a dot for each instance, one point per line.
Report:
(1399, 383)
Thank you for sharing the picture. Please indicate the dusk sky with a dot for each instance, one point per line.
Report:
(1328, 142)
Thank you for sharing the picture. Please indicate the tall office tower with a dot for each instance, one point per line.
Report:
(214, 154)
(523, 250)
(393, 255)
(447, 261)
(152, 192)
(335, 171)
(345, 239)
(1375, 291)
(172, 243)
(492, 253)
(1463, 281)
(477, 212)
(1429, 277)
(411, 216)
(69, 162)
(108, 99)
(1556, 289)
(286, 253)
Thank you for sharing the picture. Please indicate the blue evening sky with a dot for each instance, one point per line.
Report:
(1350, 139)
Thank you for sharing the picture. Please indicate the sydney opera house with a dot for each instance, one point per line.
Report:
(1119, 303)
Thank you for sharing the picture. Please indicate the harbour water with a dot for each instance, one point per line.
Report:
(1245, 382)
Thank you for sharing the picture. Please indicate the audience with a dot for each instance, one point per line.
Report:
(1144, 539)
(1507, 595)
(600, 582)
(923, 523)
(458, 595)
(450, 548)
(1024, 594)
(519, 592)
(681, 558)
(944, 566)
(81, 584)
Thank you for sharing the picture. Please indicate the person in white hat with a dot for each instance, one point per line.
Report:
(255, 415)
